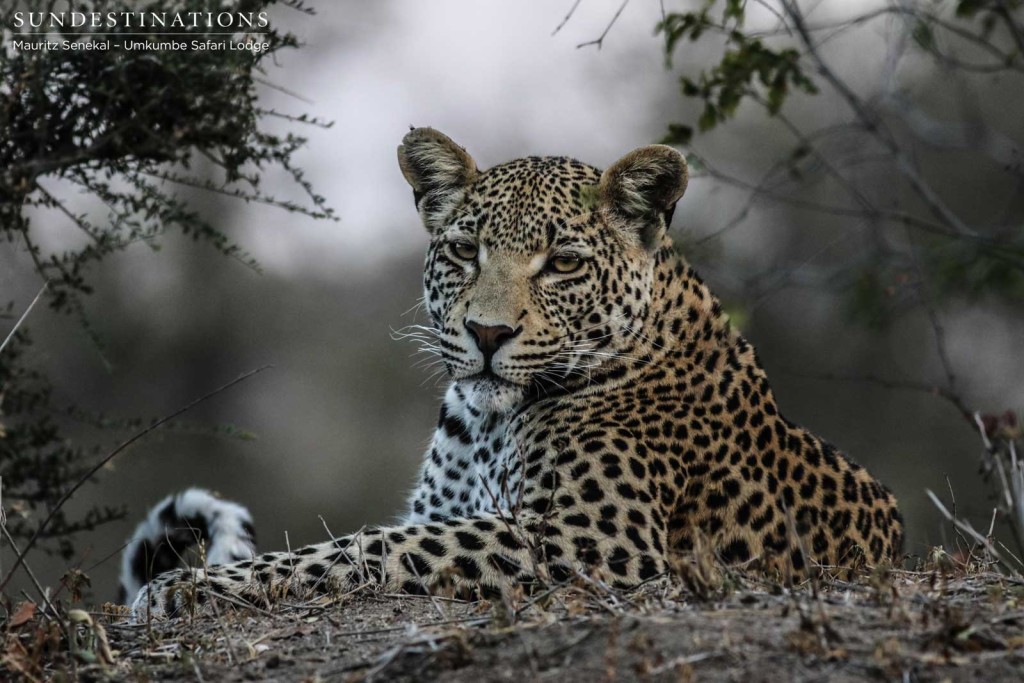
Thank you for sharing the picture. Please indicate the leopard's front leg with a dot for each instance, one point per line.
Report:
(478, 555)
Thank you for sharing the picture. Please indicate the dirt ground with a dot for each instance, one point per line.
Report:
(903, 627)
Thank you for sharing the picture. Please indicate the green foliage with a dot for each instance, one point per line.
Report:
(947, 269)
(973, 272)
(870, 299)
(37, 462)
(990, 11)
(945, 257)
(972, 8)
(748, 68)
(127, 128)
(923, 35)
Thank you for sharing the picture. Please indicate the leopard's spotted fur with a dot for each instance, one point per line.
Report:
(603, 414)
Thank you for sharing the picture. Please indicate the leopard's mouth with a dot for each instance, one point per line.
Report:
(492, 393)
(488, 377)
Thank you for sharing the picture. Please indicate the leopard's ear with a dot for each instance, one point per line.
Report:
(438, 171)
(638, 193)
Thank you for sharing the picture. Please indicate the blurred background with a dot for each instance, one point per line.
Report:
(341, 420)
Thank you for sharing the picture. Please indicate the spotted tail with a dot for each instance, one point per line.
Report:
(176, 524)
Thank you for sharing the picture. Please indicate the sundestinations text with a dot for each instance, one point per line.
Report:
(232, 20)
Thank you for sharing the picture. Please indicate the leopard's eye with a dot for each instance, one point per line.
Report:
(464, 250)
(565, 263)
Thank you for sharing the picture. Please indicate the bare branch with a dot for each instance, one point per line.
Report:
(78, 221)
(599, 42)
(110, 456)
(24, 316)
(938, 331)
(886, 383)
(1004, 61)
(572, 10)
(976, 137)
(1015, 29)
(875, 126)
(887, 215)
(858, 196)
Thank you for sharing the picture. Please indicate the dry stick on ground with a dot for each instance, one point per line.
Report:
(1011, 486)
(952, 499)
(532, 544)
(969, 529)
(1011, 492)
(344, 553)
(359, 563)
(1015, 493)
(20, 558)
(217, 616)
(38, 586)
(820, 627)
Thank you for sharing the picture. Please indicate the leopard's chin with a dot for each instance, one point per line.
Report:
(492, 394)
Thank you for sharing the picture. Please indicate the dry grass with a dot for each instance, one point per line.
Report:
(960, 617)
(940, 624)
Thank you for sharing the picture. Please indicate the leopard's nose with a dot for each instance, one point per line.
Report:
(490, 338)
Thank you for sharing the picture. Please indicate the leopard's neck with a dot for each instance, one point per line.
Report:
(684, 321)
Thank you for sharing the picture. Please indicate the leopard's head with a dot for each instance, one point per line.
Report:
(541, 269)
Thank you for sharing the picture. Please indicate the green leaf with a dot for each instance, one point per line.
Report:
(924, 36)
(867, 301)
(709, 118)
(695, 164)
(678, 134)
(734, 9)
(968, 8)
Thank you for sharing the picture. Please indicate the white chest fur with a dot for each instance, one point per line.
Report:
(472, 464)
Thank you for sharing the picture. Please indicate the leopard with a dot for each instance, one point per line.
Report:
(604, 415)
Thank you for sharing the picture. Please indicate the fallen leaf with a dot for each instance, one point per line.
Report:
(25, 612)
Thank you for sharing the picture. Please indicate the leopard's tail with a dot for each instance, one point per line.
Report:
(178, 523)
